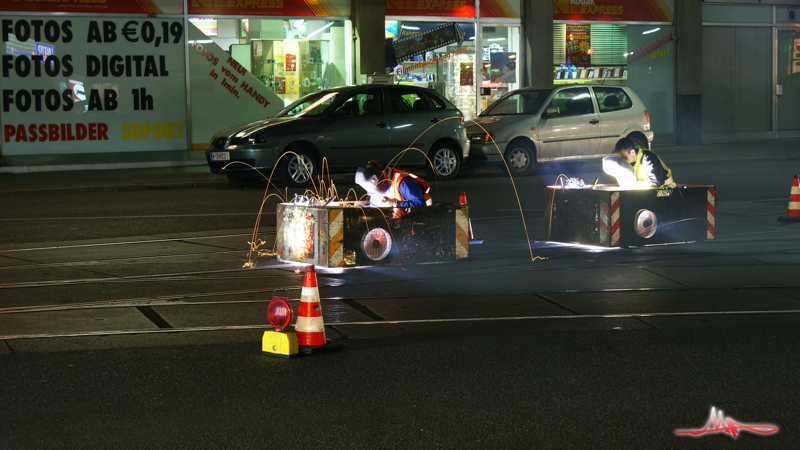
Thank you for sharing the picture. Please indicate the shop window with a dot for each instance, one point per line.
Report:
(499, 68)
(438, 60)
(294, 58)
(611, 99)
(591, 53)
(609, 44)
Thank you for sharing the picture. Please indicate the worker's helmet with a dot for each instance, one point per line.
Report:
(369, 178)
(378, 165)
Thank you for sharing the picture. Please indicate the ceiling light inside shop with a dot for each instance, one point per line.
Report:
(409, 27)
(651, 31)
(496, 39)
(321, 29)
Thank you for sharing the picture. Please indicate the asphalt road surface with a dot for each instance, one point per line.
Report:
(129, 320)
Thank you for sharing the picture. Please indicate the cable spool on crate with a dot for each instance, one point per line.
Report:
(377, 244)
(646, 223)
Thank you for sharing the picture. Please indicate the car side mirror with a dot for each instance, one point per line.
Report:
(551, 111)
(342, 111)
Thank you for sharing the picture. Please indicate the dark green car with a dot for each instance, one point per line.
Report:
(342, 129)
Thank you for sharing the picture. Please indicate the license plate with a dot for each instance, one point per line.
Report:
(220, 156)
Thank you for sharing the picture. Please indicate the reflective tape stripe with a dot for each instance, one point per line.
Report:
(614, 218)
(309, 338)
(335, 247)
(309, 309)
(310, 293)
(462, 234)
(711, 214)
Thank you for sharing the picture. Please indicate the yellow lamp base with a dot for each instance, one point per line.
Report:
(280, 344)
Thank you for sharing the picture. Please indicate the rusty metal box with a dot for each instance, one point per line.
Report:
(344, 234)
(608, 216)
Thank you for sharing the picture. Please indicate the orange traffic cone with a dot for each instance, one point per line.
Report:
(310, 327)
(793, 212)
(462, 200)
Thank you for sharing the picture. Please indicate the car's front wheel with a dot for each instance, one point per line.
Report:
(298, 167)
(444, 162)
(520, 158)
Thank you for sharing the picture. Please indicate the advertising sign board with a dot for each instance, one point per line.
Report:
(93, 85)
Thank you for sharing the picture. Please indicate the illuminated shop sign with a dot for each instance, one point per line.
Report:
(96, 6)
(439, 8)
(301, 8)
(617, 10)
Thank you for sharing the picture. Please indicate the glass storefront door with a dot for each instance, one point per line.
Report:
(788, 114)
(499, 70)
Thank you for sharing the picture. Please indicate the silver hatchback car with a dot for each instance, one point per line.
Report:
(345, 127)
(551, 124)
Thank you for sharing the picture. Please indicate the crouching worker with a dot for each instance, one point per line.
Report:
(648, 168)
(638, 168)
(394, 188)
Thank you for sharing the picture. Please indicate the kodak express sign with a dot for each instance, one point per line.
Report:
(440, 8)
(300, 8)
(617, 10)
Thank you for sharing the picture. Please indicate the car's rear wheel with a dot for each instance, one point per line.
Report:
(444, 162)
(298, 168)
(520, 158)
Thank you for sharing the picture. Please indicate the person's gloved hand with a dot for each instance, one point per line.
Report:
(390, 201)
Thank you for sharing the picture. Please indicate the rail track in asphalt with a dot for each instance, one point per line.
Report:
(276, 270)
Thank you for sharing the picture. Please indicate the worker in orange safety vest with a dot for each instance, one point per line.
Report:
(392, 187)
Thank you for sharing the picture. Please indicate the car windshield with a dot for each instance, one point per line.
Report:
(518, 102)
(311, 105)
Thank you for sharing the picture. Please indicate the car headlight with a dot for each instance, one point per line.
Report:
(481, 137)
(244, 141)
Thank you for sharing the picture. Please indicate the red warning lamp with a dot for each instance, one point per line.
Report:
(589, 52)
(279, 313)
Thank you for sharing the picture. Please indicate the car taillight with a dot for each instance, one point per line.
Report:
(647, 116)
(461, 118)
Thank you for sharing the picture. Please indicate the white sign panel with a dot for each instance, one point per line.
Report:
(223, 91)
(92, 85)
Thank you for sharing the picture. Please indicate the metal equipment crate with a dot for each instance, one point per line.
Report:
(608, 216)
(343, 234)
